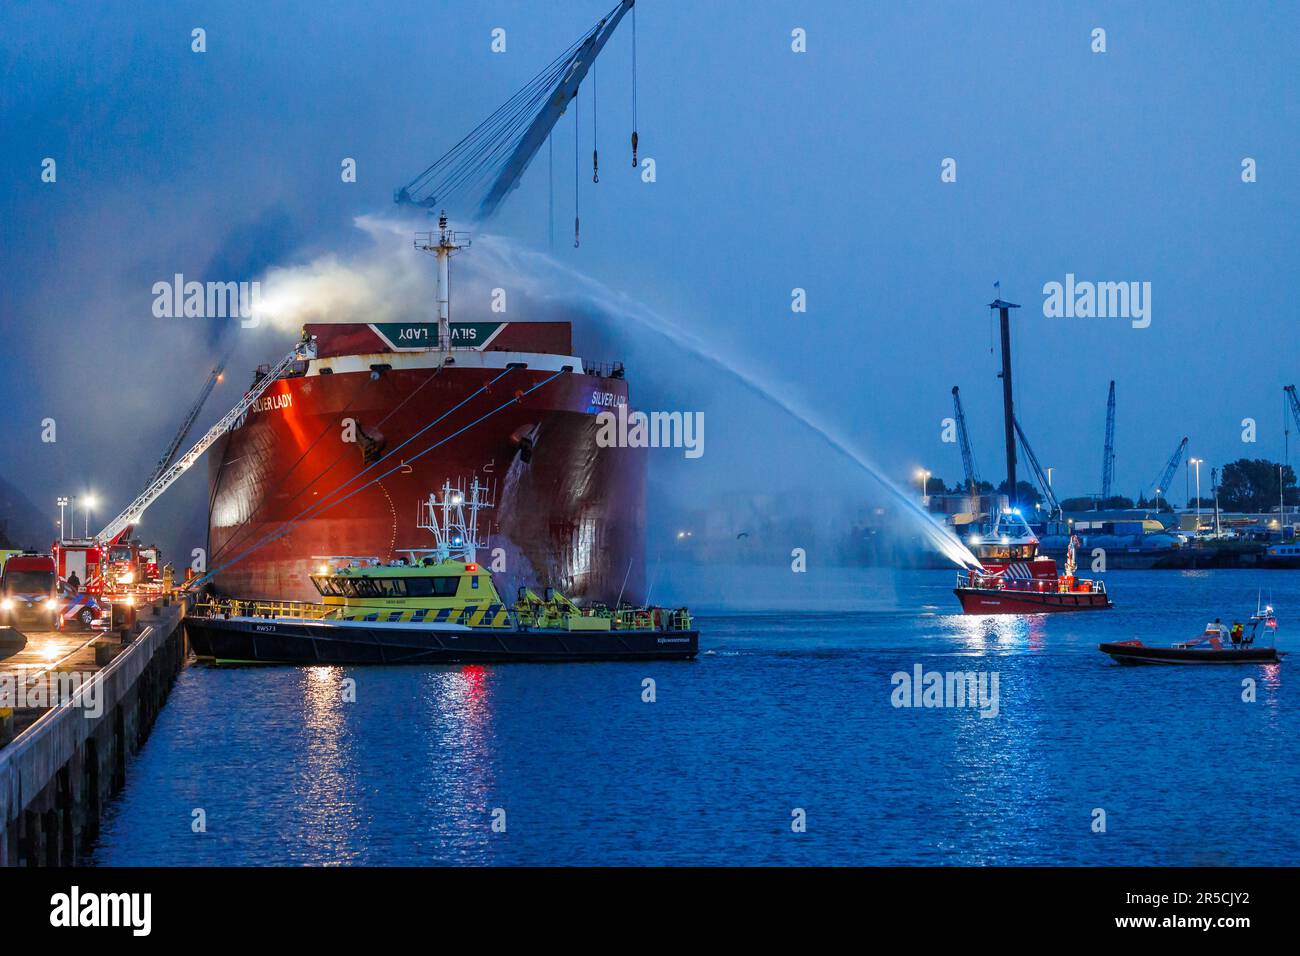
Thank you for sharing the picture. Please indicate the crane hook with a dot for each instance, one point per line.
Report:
(575, 232)
(595, 167)
(634, 149)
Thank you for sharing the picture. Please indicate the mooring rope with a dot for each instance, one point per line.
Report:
(321, 506)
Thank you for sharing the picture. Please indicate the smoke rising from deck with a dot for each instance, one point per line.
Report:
(392, 281)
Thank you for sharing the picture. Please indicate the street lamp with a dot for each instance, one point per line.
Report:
(1196, 463)
(1157, 501)
(62, 503)
(924, 476)
(89, 503)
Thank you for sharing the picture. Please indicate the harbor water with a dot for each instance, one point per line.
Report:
(787, 718)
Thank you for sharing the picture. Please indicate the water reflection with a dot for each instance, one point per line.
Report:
(976, 632)
(327, 813)
(460, 780)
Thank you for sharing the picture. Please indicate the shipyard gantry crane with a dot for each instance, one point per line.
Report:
(154, 490)
(1162, 481)
(1108, 453)
(1053, 506)
(963, 438)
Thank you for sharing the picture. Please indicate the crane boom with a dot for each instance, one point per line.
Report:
(190, 417)
(963, 437)
(1162, 482)
(540, 128)
(498, 151)
(154, 490)
(1108, 453)
(1295, 403)
(1044, 485)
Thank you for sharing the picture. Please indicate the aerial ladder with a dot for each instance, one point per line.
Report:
(1162, 482)
(190, 417)
(967, 455)
(1053, 506)
(1108, 453)
(304, 350)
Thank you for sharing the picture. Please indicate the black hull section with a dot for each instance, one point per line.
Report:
(279, 642)
(1137, 654)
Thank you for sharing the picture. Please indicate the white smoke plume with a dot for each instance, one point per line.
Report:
(394, 281)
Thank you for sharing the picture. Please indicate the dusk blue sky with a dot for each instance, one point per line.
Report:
(775, 170)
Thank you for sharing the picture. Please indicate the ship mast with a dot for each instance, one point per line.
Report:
(1008, 413)
(455, 532)
(443, 243)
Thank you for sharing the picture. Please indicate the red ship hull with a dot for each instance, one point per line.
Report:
(568, 514)
(998, 601)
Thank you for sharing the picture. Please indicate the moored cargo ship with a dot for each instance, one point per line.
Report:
(570, 514)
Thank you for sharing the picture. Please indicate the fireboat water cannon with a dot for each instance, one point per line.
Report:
(1015, 579)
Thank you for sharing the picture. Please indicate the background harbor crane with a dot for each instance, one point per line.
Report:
(1161, 484)
(1294, 403)
(1108, 452)
(1053, 506)
(967, 455)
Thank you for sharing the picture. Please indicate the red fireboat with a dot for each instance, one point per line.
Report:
(1015, 579)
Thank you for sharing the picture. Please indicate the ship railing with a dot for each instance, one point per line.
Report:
(651, 619)
(973, 579)
(620, 619)
(603, 369)
(293, 610)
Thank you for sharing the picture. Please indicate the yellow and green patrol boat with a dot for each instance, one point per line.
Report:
(427, 609)
(435, 605)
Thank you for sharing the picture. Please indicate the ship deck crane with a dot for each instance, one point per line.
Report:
(492, 159)
(1054, 506)
(1162, 481)
(1108, 452)
(190, 417)
(963, 438)
(155, 489)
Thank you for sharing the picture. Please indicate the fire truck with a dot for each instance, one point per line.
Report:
(121, 564)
